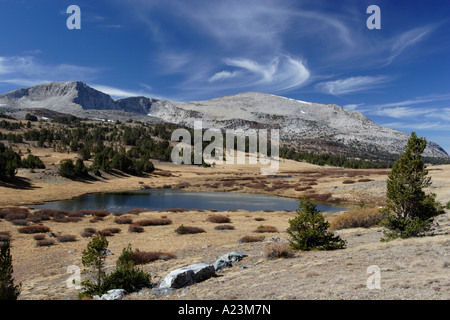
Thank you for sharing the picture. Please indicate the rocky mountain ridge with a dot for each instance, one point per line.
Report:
(304, 125)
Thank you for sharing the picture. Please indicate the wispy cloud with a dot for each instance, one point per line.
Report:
(408, 39)
(26, 70)
(223, 75)
(352, 84)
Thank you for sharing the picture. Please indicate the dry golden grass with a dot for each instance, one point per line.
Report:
(357, 218)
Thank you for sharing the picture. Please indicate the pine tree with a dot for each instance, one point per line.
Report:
(94, 260)
(309, 230)
(8, 291)
(410, 210)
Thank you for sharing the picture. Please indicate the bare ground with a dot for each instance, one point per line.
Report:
(410, 269)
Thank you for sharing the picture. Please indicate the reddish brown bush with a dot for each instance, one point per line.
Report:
(20, 222)
(224, 227)
(106, 233)
(45, 243)
(142, 257)
(88, 232)
(259, 219)
(262, 229)
(138, 210)
(39, 237)
(67, 219)
(113, 230)
(247, 239)
(154, 222)
(174, 210)
(66, 238)
(135, 228)
(365, 180)
(217, 218)
(188, 230)
(348, 181)
(52, 212)
(34, 229)
(4, 236)
(14, 210)
(123, 220)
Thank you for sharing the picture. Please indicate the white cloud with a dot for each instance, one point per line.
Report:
(26, 70)
(223, 75)
(281, 73)
(402, 112)
(352, 84)
(352, 107)
(408, 39)
(117, 92)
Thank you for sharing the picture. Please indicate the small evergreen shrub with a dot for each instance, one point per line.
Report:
(309, 230)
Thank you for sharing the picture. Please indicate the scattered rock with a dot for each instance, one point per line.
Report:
(187, 276)
(114, 294)
(228, 260)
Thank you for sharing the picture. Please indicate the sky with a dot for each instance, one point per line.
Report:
(320, 51)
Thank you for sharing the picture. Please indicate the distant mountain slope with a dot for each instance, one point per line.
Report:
(305, 125)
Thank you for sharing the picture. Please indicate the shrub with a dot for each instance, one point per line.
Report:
(278, 250)
(16, 216)
(8, 290)
(247, 239)
(34, 229)
(113, 230)
(45, 243)
(126, 276)
(175, 210)
(143, 257)
(138, 210)
(447, 206)
(66, 219)
(88, 232)
(218, 219)
(20, 222)
(66, 238)
(259, 219)
(123, 220)
(14, 210)
(357, 218)
(224, 227)
(154, 222)
(32, 162)
(308, 230)
(348, 181)
(52, 212)
(188, 230)
(39, 237)
(262, 229)
(135, 228)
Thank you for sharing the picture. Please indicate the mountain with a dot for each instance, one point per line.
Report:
(304, 125)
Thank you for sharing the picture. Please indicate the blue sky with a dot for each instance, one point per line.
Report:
(319, 51)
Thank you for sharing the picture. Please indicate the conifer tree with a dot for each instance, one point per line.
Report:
(309, 230)
(409, 209)
(8, 291)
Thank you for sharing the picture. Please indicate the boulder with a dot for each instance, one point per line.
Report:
(114, 294)
(228, 260)
(187, 276)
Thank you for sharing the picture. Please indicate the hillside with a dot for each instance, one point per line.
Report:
(303, 125)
